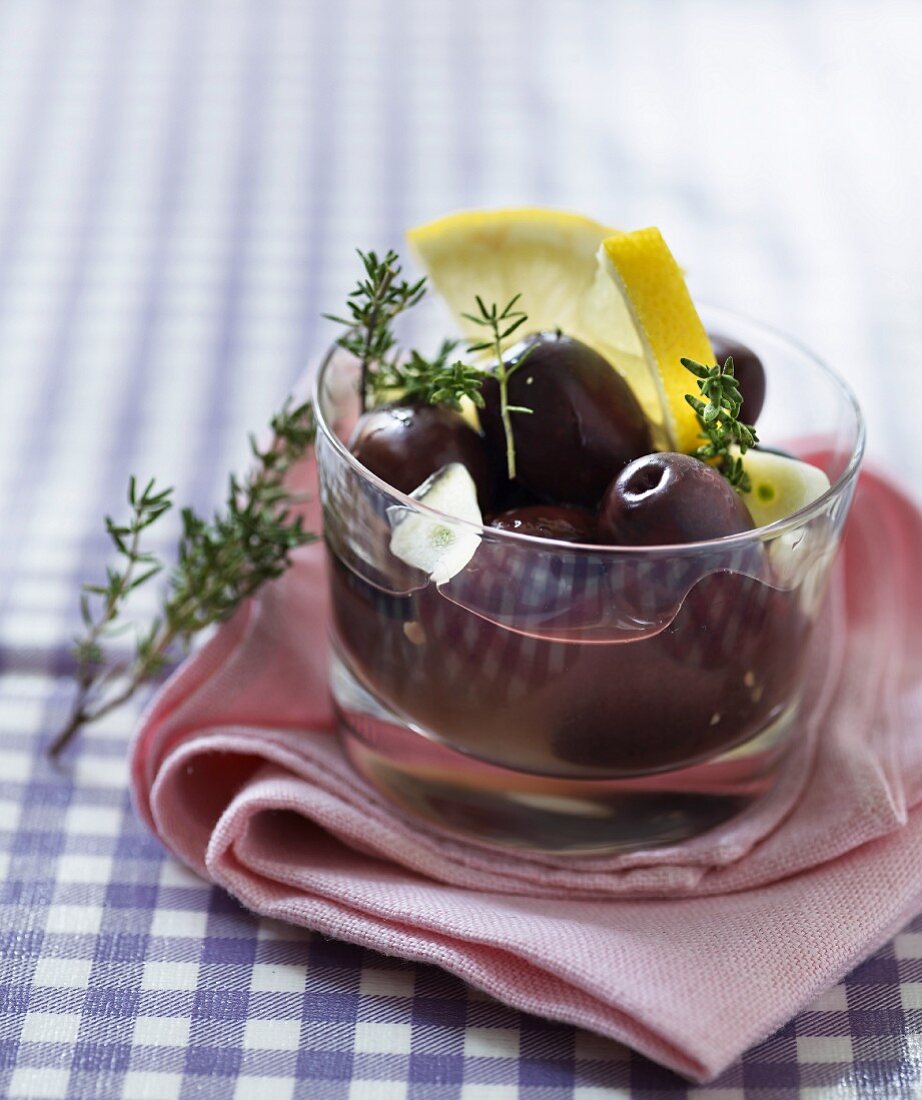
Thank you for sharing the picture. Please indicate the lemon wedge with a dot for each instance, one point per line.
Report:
(623, 294)
(780, 486)
(664, 324)
(547, 256)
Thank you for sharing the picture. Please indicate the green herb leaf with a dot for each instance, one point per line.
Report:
(720, 422)
(372, 307)
(441, 380)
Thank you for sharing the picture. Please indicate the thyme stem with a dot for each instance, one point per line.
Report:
(378, 299)
(146, 509)
(502, 324)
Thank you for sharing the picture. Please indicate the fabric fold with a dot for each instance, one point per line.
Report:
(689, 953)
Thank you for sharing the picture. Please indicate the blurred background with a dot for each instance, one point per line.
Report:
(183, 182)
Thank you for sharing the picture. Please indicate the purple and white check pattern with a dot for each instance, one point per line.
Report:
(181, 185)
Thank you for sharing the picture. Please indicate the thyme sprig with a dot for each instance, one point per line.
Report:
(442, 380)
(372, 307)
(502, 324)
(220, 562)
(718, 410)
(378, 298)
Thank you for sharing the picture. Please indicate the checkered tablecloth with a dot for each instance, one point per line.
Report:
(181, 185)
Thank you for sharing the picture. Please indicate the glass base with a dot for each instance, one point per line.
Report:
(514, 809)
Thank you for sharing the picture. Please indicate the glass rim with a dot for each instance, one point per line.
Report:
(757, 534)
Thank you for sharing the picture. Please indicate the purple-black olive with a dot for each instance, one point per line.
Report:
(584, 426)
(549, 521)
(664, 499)
(405, 444)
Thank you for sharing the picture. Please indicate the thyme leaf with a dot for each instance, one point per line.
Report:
(718, 410)
(371, 307)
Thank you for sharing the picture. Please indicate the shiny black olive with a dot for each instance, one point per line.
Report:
(663, 499)
(584, 426)
(549, 521)
(405, 444)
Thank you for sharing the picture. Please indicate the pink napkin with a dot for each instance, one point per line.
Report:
(688, 954)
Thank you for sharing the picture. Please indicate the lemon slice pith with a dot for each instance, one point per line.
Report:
(621, 293)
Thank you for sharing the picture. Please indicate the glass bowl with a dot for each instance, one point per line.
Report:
(581, 699)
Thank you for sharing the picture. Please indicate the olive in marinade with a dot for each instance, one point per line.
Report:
(664, 499)
(584, 423)
(406, 444)
(562, 523)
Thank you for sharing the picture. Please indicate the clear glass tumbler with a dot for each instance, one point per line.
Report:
(582, 699)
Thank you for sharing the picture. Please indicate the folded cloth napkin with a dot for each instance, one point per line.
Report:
(689, 953)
